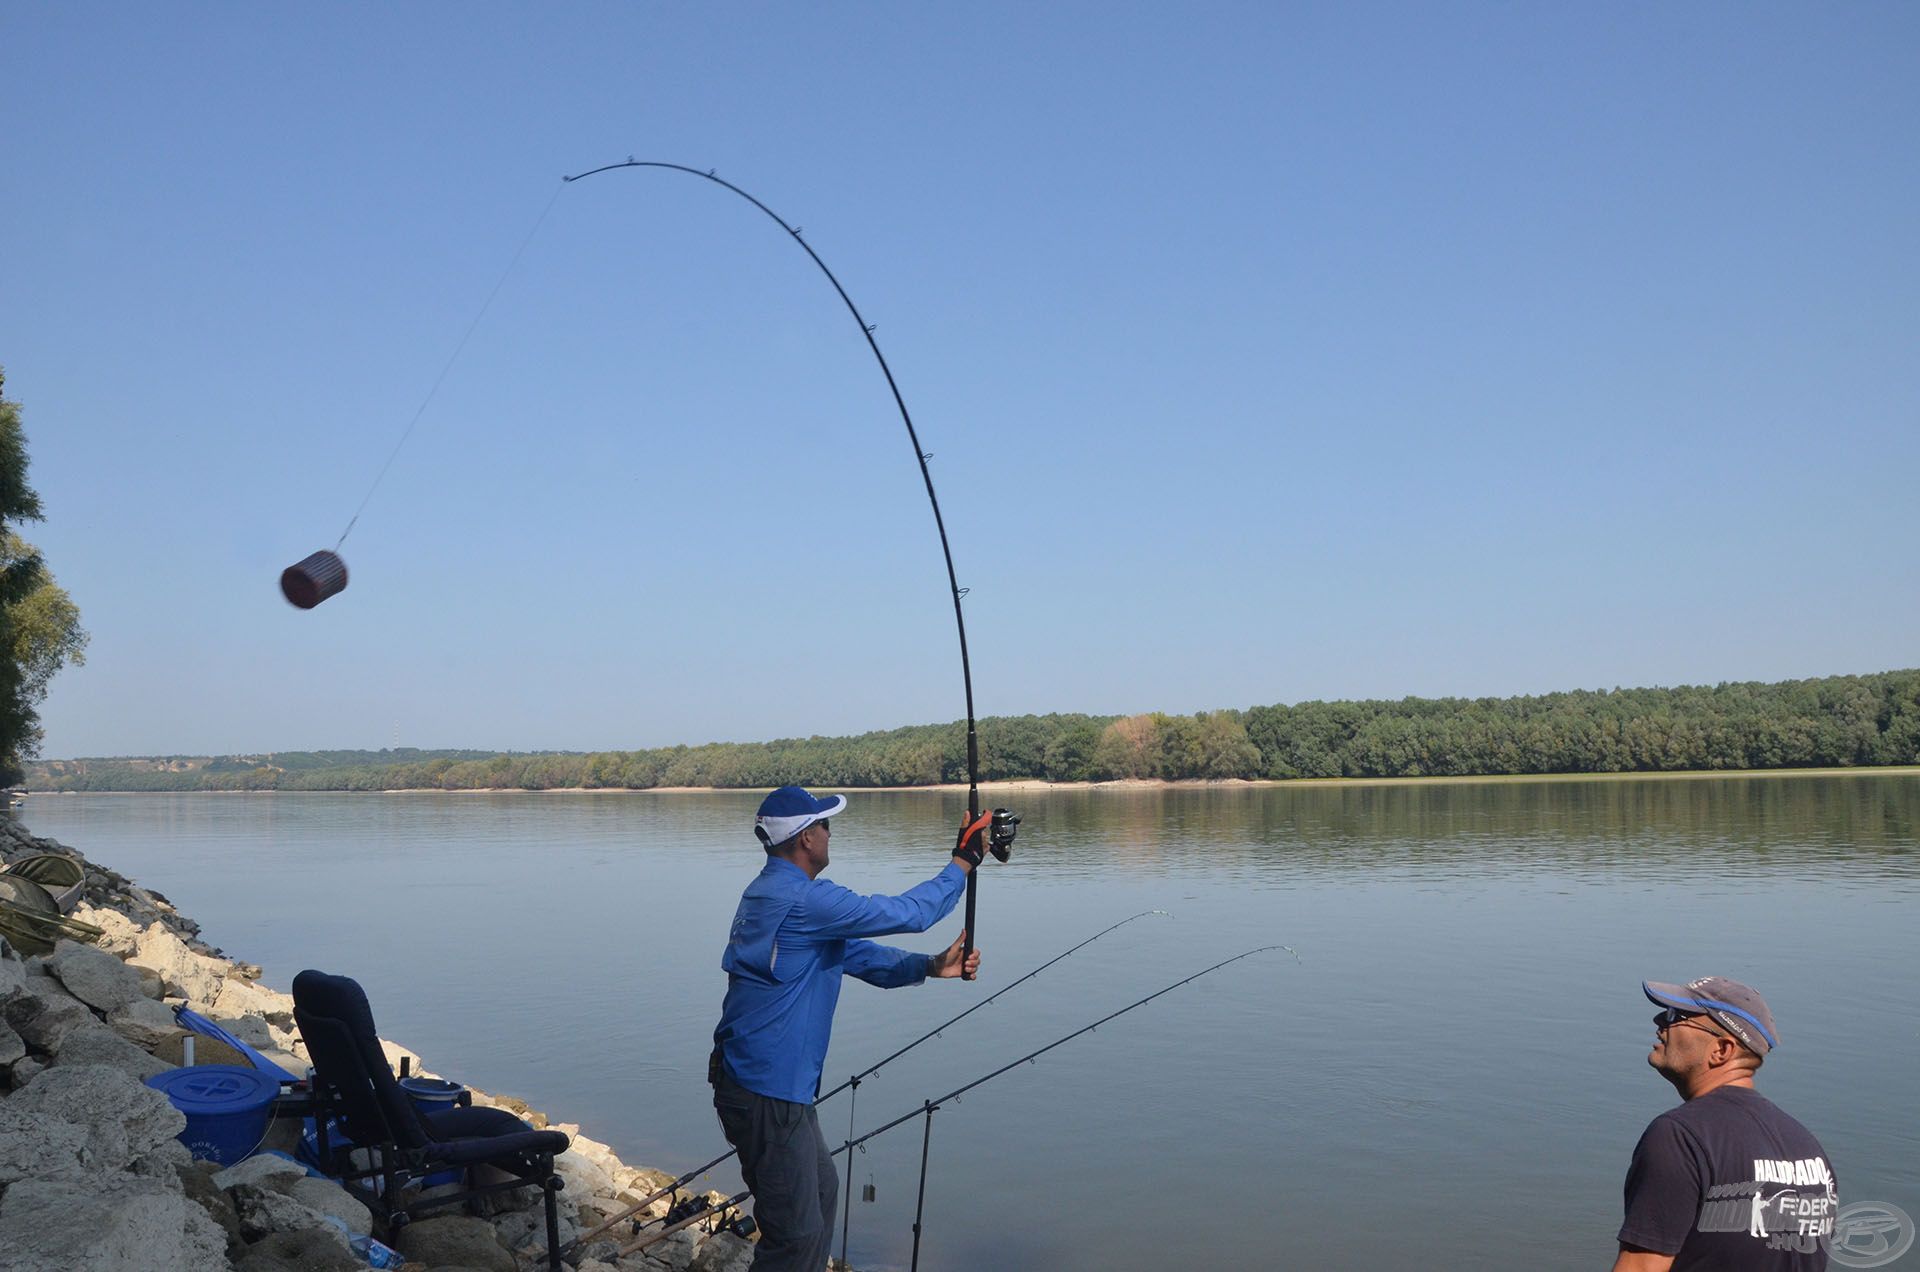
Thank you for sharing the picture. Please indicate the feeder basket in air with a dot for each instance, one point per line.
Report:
(307, 583)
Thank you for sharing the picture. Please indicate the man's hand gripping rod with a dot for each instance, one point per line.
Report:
(999, 828)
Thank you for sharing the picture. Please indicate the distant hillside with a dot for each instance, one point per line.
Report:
(214, 772)
(1833, 722)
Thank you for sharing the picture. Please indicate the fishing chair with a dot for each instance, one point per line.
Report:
(393, 1144)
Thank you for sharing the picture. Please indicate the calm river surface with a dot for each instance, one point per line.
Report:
(1452, 1074)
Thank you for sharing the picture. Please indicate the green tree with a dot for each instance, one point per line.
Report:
(1069, 757)
(39, 624)
(1129, 748)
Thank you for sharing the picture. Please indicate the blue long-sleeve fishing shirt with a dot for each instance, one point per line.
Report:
(792, 939)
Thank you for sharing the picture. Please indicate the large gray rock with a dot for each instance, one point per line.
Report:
(43, 1021)
(185, 974)
(309, 1250)
(602, 1249)
(94, 976)
(332, 1200)
(12, 1045)
(95, 1044)
(239, 998)
(524, 1230)
(722, 1252)
(120, 934)
(13, 979)
(35, 1144)
(263, 1169)
(263, 1211)
(252, 1030)
(675, 1252)
(585, 1177)
(204, 1242)
(25, 1071)
(165, 1161)
(145, 1023)
(456, 1241)
(200, 1189)
(123, 1118)
(108, 1224)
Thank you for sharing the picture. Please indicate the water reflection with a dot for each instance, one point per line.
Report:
(1631, 826)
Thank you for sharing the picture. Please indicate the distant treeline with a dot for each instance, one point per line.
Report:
(1839, 721)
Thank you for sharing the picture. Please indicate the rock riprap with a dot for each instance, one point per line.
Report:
(93, 1174)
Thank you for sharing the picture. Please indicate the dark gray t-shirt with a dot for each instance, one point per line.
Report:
(1729, 1182)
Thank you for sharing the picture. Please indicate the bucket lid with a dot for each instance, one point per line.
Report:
(431, 1088)
(216, 1088)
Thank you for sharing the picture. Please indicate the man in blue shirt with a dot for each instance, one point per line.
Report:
(793, 937)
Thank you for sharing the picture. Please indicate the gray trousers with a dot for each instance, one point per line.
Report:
(784, 1160)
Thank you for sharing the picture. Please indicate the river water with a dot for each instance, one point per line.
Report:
(1451, 1073)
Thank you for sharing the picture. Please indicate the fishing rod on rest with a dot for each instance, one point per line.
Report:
(854, 1083)
(700, 1209)
(929, 1107)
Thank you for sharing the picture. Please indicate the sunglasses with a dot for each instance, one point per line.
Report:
(1673, 1016)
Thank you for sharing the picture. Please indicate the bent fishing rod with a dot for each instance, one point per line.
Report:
(323, 574)
(922, 456)
(854, 1083)
(931, 1106)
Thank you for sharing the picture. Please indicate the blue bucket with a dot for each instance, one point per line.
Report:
(228, 1107)
(432, 1095)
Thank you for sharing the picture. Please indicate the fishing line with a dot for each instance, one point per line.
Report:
(451, 359)
(696, 1172)
(322, 574)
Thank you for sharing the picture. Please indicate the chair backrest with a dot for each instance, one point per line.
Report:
(337, 1025)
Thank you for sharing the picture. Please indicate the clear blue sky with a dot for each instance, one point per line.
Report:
(1267, 352)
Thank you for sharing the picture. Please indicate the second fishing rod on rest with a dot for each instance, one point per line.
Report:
(929, 1107)
(854, 1083)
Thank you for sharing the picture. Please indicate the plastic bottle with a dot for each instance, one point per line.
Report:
(375, 1253)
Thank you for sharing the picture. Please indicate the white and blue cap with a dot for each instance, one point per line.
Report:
(790, 810)
(1736, 1008)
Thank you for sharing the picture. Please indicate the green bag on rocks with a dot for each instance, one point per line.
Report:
(30, 918)
(62, 877)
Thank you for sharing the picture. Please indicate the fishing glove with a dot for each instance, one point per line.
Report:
(971, 847)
